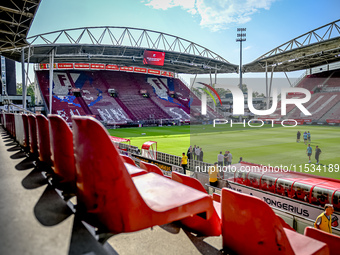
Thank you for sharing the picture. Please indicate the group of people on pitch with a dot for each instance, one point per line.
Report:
(310, 151)
(306, 137)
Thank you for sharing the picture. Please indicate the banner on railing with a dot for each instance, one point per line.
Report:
(88, 66)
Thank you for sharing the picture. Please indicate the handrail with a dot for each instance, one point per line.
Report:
(23, 109)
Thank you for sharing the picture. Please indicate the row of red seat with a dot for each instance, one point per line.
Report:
(116, 196)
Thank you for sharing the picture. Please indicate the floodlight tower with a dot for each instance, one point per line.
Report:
(241, 37)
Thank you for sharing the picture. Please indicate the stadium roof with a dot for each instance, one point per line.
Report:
(315, 48)
(124, 46)
(15, 21)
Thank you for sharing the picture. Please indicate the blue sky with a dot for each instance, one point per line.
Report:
(210, 23)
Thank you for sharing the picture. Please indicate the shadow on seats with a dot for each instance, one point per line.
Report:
(34, 179)
(83, 242)
(51, 209)
(26, 164)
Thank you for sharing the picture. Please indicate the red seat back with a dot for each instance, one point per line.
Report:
(104, 186)
(26, 141)
(117, 201)
(331, 240)
(43, 142)
(152, 168)
(61, 142)
(249, 224)
(187, 180)
(129, 160)
(32, 134)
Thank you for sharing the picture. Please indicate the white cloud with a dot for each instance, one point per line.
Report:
(216, 14)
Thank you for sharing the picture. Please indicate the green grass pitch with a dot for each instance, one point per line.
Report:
(265, 145)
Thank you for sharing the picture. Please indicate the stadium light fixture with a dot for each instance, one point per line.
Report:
(241, 37)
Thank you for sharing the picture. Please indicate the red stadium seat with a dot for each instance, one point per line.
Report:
(114, 201)
(26, 141)
(331, 240)
(43, 142)
(211, 227)
(216, 197)
(250, 226)
(61, 139)
(152, 168)
(129, 160)
(187, 180)
(32, 127)
(134, 170)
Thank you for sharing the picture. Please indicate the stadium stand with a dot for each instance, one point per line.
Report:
(324, 103)
(318, 106)
(87, 93)
(97, 195)
(64, 103)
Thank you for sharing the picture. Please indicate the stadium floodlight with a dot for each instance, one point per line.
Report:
(241, 37)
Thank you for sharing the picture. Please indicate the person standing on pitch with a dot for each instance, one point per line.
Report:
(324, 220)
(225, 158)
(305, 137)
(220, 159)
(193, 152)
(201, 154)
(309, 152)
(317, 154)
(197, 152)
(230, 158)
(298, 135)
(308, 136)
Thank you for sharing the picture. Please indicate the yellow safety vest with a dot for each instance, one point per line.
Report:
(212, 174)
(326, 225)
(184, 160)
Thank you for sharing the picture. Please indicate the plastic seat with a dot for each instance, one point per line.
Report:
(152, 168)
(187, 180)
(43, 141)
(211, 227)
(62, 155)
(333, 241)
(134, 170)
(127, 159)
(32, 135)
(26, 141)
(115, 202)
(250, 226)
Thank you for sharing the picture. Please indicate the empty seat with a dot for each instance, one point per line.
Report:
(250, 226)
(26, 141)
(32, 128)
(129, 160)
(115, 202)
(187, 180)
(331, 240)
(210, 227)
(43, 140)
(62, 155)
(152, 168)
